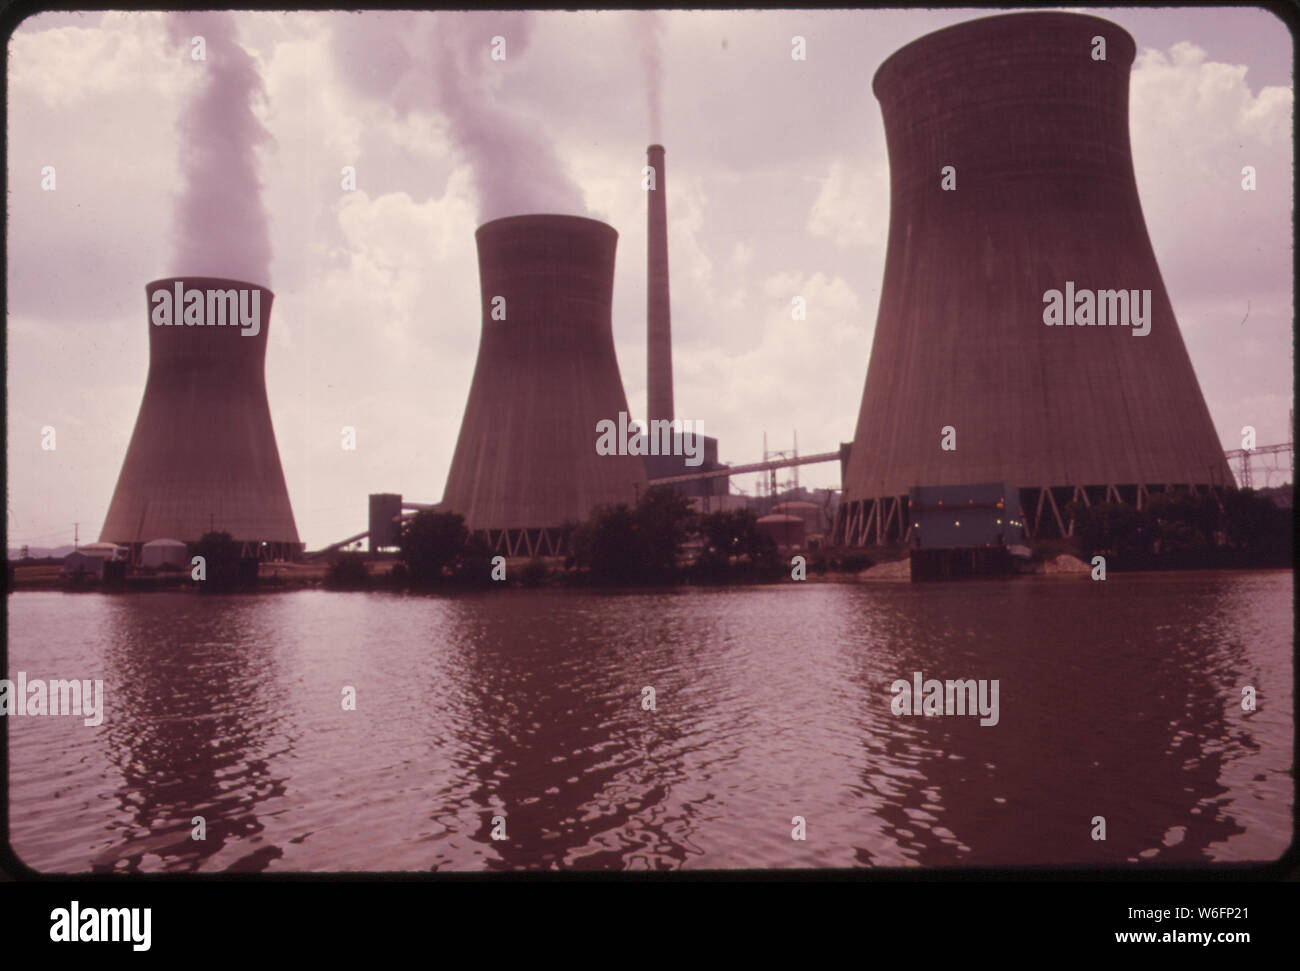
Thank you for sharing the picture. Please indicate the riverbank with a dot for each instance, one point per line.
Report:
(523, 572)
(270, 576)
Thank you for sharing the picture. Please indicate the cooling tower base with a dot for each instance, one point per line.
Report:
(525, 542)
(250, 549)
(884, 520)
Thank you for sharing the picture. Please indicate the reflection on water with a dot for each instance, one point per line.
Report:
(1118, 699)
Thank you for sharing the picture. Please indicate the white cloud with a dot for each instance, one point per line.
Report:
(1195, 123)
(852, 206)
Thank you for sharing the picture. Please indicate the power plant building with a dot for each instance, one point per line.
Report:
(203, 454)
(526, 460)
(1011, 179)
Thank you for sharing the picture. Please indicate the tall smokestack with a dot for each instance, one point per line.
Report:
(1011, 178)
(659, 332)
(203, 451)
(526, 460)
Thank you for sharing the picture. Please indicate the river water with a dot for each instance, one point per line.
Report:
(523, 713)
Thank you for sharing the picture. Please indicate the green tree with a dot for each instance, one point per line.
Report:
(726, 531)
(348, 572)
(1254, 523)
(472, 565)
(1107, 527)
(664, 519)
(610, 546)
(622, 546)
(432, 541)
(1179, 522)
(735, 532)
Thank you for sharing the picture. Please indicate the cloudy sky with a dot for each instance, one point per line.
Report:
(777, 186)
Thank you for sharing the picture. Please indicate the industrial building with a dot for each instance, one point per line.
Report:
(203, 455)
(526, 460)
(674, 463)
(1011, 176)
(969, 530)
(786, 531)
(165, 554)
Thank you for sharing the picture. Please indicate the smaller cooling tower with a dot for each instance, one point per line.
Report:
(203, 452)
(526, 459)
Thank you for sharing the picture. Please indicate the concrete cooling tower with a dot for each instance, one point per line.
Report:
(526, 460)
(1011, 178)
(203, 452)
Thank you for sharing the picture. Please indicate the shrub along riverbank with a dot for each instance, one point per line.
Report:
(660, 541)
(1181, 531)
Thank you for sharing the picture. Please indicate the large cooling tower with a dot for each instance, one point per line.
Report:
(526, 459)
(659, 334)
(203, 452)
(1041, 196)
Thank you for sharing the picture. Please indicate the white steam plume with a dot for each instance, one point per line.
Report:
(649, 26)
(219, 220)
(442, 64)
(515, 166)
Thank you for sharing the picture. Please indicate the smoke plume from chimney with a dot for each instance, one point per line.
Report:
(649, 26)
(220, 223)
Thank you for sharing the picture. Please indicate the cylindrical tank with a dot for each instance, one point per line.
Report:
(203, 453)
(786, 531)
(809, 512)
(1011, 176)
(385, 520)
(526, 460)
